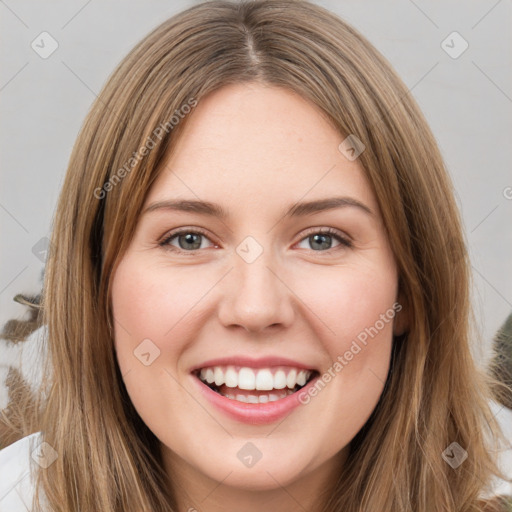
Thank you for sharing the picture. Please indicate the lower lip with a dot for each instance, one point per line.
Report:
(255, 414)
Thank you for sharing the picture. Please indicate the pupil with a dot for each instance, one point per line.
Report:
(189, 239)
(323, 245)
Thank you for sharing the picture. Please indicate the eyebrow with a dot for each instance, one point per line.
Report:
(297, 210)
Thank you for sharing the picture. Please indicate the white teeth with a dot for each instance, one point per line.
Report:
(301, 378)
(219, 376)
(262, 399)
(280, 380)
(207, 375)
(263, 379)
(246, 379)
(291, 380)
(231, 377)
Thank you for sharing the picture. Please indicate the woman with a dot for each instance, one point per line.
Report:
(257, 290)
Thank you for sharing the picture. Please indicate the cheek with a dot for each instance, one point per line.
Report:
(356, 308)
(350, 301)
(155, 321)
(145, 306)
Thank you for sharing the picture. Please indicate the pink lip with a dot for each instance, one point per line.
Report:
(262, 362)
(254, 414)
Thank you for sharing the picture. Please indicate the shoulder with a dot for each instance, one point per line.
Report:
(17, 467)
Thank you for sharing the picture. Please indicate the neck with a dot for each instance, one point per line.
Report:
(197, 492)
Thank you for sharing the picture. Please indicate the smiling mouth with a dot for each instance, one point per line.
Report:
(253, 386)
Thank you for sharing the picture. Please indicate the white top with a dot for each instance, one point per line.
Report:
(17, 474)
(19, 459)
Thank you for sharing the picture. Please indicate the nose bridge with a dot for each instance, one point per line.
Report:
(258, 297)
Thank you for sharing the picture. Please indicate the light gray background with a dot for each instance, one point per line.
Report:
(467, 101)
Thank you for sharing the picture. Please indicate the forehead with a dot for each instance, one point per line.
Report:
(249, 142)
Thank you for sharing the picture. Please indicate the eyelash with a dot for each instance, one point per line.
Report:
(165, 243)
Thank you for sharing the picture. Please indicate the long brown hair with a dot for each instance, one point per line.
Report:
(435, 393)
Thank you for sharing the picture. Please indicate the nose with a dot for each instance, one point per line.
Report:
(256, 295)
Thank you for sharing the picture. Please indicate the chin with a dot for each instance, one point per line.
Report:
(253, 479)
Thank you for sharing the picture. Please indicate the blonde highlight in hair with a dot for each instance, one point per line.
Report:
(108, 458)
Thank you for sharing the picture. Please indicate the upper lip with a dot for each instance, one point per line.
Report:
(261, 362)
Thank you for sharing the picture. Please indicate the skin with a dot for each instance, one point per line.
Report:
(255, 150)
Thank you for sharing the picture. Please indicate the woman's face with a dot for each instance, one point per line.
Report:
(256, 297)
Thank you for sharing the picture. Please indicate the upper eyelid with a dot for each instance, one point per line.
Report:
(179, 231)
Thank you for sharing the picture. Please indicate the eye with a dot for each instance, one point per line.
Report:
(190, 240)
(321, 239)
